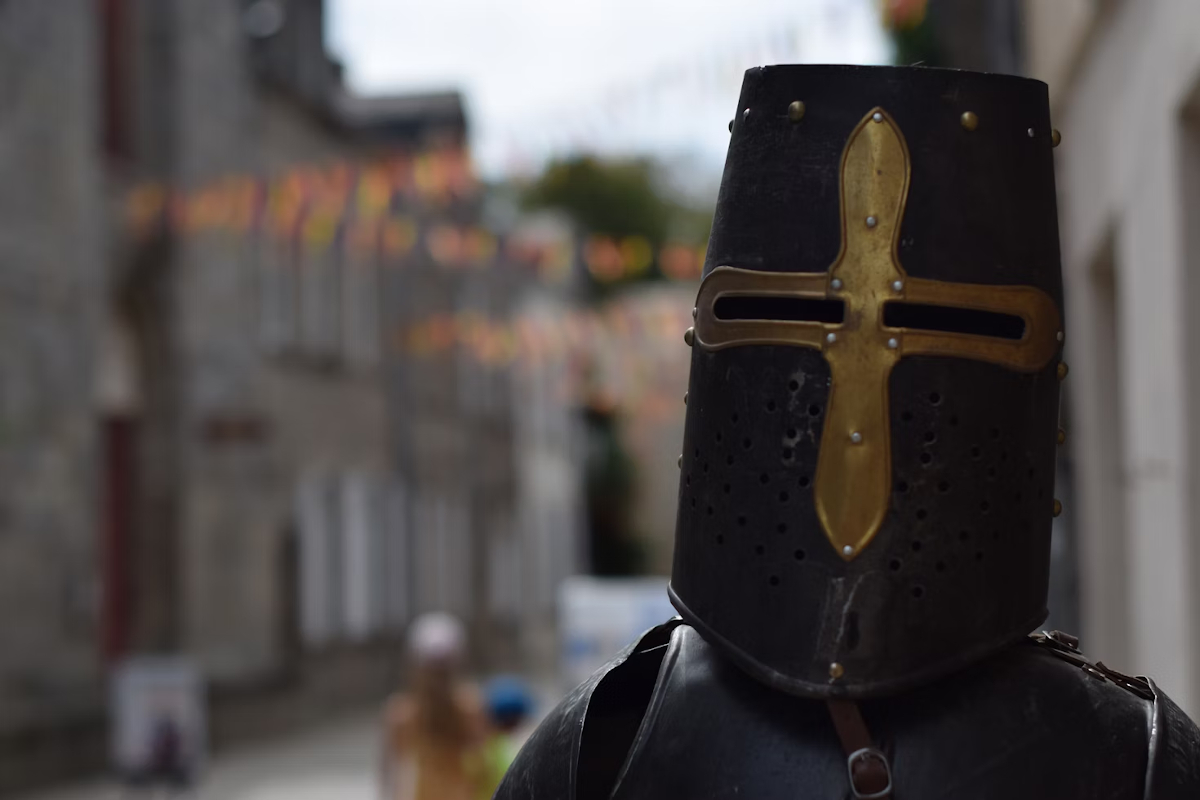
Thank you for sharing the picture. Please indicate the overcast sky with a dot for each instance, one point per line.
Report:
(544, 77)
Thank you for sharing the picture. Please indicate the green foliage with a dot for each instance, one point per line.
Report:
(608, 198)
(619, 199)
(611, 486)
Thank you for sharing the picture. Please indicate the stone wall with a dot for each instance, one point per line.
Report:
(51, 264)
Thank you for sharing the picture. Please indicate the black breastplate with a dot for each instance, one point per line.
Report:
(1023, 725)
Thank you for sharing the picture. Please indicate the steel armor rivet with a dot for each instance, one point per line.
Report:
(872, 222)
(835, 284)
(969, 120)
(1057, 507)
(679, 463)
(893, 343)
(1059, 336)
(689, 336)
(685, 394)
(1055, 138)
(1030, 132)
(731, 126)
(831, 337)
(877, 117)
(695, 311)
(746, 114)
(856, 437)
(836, 670)
(1062, 436)
(897, 286)
(796, 111)
(1063, 369)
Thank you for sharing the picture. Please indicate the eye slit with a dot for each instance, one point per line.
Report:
(787, 309)
(948, 319)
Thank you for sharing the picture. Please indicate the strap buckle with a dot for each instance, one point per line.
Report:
(865, 755)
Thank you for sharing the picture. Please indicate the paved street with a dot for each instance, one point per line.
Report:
(338, 762)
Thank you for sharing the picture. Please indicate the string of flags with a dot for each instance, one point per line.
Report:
(369, 212)
(533, 339)
(626, 355)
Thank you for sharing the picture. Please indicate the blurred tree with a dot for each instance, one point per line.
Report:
(625, 200)
(611, 482)
(982, 35)
(612, 198)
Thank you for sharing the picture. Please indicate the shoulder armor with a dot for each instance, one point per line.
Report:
(1025, 722)
(1174, 770)
(1173, 757)
(584, 740)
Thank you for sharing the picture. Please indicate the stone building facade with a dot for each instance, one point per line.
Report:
(52, 267)
(1124, 83)
(212, 446)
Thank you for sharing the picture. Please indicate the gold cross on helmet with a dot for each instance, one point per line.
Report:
(864, 315)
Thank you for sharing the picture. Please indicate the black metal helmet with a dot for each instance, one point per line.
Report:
(867, 478)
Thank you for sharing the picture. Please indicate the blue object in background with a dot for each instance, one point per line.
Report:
(509, 699)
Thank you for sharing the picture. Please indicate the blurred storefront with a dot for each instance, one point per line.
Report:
(1124, 83)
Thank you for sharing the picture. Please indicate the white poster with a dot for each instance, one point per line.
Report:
(160, 729)
(598, 617)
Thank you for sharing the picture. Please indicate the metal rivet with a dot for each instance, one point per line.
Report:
(1057, 507)
(893, 343)
(796, 111)
(1063, 369)
(856, 437)
(685, 395)
(969, 120)
(746, 114)
(689, 336)
(1059, 336)
(872, 222)
(1055, 138)
(897, 286)
(836, 670)
(679, 463)
(695, 311)
(835, 284)
(877, 117)
(1062, 436)
(831, 337)
(1030, 132)
(731, 126)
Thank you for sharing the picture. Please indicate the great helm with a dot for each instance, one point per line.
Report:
(866, 487)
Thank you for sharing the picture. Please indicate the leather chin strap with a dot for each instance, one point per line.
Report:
(868, 769)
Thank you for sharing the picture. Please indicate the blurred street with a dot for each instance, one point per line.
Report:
(338, 761)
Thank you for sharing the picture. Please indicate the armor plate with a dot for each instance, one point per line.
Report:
(1024, 723)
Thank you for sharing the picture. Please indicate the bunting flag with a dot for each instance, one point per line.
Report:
(325, 196)
(630, 353)
(359, 209)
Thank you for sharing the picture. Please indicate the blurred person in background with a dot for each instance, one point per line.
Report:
(509, 704)
(434, 734)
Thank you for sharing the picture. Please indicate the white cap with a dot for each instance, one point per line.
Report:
(436, 637)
